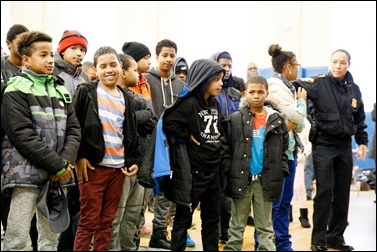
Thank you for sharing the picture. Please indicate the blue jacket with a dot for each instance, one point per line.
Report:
(156, 162)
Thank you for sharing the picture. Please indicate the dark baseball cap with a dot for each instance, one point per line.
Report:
(52, 204)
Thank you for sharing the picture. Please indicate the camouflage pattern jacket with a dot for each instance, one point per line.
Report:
(42, 130)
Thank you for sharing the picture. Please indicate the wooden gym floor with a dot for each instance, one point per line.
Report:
(361, 232)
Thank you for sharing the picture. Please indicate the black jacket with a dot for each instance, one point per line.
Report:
(192, 115)
(235, 153)
(338, 106)
(92, 145)
(146, 120)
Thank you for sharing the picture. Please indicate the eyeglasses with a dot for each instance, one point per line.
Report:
(296, 64)
(252, 68)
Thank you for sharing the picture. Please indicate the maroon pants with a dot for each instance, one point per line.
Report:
(99, 200)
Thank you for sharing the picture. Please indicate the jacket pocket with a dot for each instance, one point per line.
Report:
(329, 123)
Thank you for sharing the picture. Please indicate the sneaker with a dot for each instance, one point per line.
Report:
(161, 242)
(189, 242)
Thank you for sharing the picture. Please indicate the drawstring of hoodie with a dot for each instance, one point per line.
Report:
(163, 93)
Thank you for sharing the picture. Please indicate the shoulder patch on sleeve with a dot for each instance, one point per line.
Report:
(319, 76)
(308, 80)
(312, 79)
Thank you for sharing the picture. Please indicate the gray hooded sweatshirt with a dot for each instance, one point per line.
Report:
(164, 93)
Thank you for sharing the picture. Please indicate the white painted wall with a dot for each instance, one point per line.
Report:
(313, 30)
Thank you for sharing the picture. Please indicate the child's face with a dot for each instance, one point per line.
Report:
(256, 94)
(108, 69)
(227, 65)
(92, 75)
(166, 59)
(12, 45)
(131, 76)
(41, 60)
(215, 85)
(74, 55)
(144, 64)
(181, 74)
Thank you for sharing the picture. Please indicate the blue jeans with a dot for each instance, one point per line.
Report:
(281, 210)
(309, 174)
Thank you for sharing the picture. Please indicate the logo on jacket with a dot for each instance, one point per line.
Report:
(354, 103)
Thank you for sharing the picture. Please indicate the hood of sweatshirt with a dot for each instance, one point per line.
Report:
(180, 63)
(201, 73)
(220, 55)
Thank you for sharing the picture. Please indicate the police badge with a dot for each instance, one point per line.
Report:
(354, 103)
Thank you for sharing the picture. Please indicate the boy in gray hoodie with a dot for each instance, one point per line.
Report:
(165, 87)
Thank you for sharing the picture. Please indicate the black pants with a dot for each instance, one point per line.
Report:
(67, 237)
(225, 206)
(206, 190)
(333, 164)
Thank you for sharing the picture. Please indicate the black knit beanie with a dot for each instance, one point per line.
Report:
(136, 50)
(181, 66)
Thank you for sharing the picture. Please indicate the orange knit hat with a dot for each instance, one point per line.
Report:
(71, 38)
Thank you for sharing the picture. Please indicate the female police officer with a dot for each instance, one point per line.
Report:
(338, 115)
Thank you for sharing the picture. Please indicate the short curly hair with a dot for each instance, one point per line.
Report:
(25, 45)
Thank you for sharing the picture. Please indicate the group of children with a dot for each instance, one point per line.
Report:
(64, 124)
(129, 126)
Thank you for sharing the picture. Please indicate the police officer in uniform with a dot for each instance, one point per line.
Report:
(338, 115)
